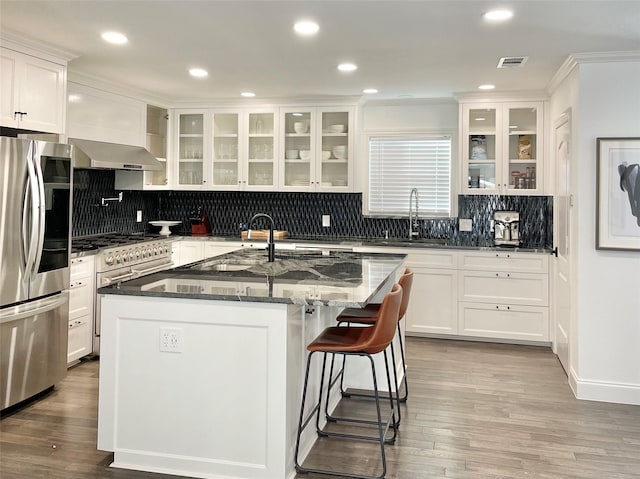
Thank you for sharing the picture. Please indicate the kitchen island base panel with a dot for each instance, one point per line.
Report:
(226, 405)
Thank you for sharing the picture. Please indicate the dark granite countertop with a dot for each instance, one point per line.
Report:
(424, 243)
(310, 277)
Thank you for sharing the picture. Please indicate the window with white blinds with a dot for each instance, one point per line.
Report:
(399, 163)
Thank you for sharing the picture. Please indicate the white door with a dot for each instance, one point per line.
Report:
(562, 229)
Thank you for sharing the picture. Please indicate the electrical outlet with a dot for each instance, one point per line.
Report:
(326, 221)
(171, 340)
(139, 216)
(465, 224)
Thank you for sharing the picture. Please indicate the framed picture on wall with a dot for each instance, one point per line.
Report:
(618, 194)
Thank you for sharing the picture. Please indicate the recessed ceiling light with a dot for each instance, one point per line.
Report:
(306, 28)
(369, 90)
(347, 67)
(247, 94)
(73, 98)
(498, 15)
(486, 87)
(480, 118)
(297, 114)
(115, 38)
(198, 72)
(513, 127)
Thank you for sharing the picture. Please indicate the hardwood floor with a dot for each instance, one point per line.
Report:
(475, 411)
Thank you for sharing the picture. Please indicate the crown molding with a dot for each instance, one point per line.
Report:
(117, 88)
(17, 41)
(409, 102)
(576, 59)
(482, 97)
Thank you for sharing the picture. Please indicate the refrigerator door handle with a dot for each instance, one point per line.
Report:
(24, 250)
(33, 219)
(40, 211)
(25, 311)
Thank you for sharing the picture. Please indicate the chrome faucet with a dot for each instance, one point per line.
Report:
(271, 247)
(413, 220)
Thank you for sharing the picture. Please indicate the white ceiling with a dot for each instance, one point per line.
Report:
(418, 49)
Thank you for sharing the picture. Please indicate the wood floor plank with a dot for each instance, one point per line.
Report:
(475, 411)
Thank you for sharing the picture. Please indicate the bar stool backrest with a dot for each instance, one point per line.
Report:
(385, 327)
(406, 280)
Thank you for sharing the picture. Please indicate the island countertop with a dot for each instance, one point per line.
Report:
(340, 278)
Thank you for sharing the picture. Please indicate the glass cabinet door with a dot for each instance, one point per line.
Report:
(481, 148)
(333, 164)
(522, 169)
(190, 149)
(298, 149)
(157, 134)
(260, 170)
(226, 149)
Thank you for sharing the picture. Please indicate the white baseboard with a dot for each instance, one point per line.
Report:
(604, 391)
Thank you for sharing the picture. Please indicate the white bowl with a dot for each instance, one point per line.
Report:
(326, 155)
(337, 128)
(305, 154)
(340, 152)
(300, 127)
(291, 154)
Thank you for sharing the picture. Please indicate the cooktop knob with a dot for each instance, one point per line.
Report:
(109, 260)
(117, 259)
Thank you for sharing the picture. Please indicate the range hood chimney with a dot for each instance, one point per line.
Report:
(112, 156)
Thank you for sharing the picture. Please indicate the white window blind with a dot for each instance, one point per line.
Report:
(397, 164)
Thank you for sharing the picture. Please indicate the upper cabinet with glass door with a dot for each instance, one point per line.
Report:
(191, 149)
(157, 135)
(260, 169)
(226, 164)
(317, 150)
(502, 148)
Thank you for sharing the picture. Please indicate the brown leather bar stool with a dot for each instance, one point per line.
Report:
(369, 315)
(354, 341)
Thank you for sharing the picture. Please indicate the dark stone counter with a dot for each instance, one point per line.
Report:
(301, 277)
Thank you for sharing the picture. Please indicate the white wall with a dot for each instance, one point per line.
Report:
(607, 339)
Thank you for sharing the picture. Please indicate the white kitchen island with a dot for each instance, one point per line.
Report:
(201, 367)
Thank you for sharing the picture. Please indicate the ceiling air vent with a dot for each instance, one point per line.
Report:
(512, 62)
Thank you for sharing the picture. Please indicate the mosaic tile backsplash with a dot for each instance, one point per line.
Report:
(298, 213)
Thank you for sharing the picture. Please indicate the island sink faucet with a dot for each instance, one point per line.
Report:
(271, 247)
(413, 220)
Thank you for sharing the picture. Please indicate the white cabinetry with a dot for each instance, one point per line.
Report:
(32, 92)
(504, 295)
(94, 114)
(188, 250)
(502, 147)
(81, 299)
(317, 149)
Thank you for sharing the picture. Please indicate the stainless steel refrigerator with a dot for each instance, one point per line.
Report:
(35, 242)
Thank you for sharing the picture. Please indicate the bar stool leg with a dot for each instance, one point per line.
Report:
(302, 423)
(404, 368)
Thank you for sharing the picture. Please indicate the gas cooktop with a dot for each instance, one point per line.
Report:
(88, 243)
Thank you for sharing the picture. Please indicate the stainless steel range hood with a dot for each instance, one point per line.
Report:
(112, 156)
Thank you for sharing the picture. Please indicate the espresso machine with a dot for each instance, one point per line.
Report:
(506, 228)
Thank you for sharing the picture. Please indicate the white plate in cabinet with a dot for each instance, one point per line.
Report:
(498, 321)
(433, 305)
(504, 287)
(505, 261)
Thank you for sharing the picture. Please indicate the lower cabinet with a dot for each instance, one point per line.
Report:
(81, 298)
(433, 307)
(526, 323)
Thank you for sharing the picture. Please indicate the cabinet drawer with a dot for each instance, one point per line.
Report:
(512, 288)
(80, 339)
(433, 259)
(81, 294)
(81, 267)
(505, 261)
(525, 323)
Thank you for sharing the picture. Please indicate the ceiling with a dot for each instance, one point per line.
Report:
(405, 49)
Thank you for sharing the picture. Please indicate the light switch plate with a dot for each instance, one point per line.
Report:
(139, 216)
(465, 224)
(326, 221)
